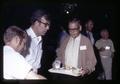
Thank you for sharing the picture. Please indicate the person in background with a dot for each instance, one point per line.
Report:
(40, 23)
(14, 64)
(106, 51)
(76, 50)
(89, 25)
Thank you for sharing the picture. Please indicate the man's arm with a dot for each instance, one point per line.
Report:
(91, 58)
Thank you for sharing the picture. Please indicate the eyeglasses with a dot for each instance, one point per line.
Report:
(73, 29)
(46, 24)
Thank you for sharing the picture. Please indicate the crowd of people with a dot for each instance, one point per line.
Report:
(77, 50)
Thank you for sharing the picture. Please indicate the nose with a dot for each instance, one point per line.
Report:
(47, 27)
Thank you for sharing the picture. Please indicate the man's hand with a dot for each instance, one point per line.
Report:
(56, 64)
(34, 76)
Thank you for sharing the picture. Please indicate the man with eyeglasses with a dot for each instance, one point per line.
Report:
(40, 24)
(76, 53)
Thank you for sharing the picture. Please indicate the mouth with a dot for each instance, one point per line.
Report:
(44, 32)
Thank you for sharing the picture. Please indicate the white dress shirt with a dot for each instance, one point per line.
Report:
(14, 64)
(35, 50)
(71, 53)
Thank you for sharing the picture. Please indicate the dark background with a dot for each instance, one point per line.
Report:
(104, 14)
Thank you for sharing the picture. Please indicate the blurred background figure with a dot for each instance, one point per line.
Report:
(89, 25)
(106, 51)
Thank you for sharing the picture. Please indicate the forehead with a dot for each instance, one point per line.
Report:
(44, 19)
(104, 31)
(73, 25)
(90, 22)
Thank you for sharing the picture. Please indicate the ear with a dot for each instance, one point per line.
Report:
(17, 40)
(36, 22)
(80, 27)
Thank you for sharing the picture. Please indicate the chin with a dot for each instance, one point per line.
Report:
(74, 36)
(43, 34)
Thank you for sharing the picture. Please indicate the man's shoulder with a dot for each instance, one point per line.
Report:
(28, 30)
(85, 40)
(99, 41)
(84, 33)
(84, 37)
(110, 41)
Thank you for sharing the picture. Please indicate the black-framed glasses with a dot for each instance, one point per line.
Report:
(46, 24)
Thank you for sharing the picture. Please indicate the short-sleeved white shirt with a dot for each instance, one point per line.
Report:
(14, 64)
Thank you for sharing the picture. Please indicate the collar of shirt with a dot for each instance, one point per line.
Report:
(104, 39)
(77, 38)
(88, 32)
(10, 49)
(32, 34)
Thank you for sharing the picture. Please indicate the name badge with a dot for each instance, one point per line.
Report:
(107, 48)
(84, 47)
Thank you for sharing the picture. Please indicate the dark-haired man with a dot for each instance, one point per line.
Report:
(40, 24)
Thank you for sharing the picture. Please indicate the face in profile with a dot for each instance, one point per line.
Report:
(21, 45)
(42, 26)
(74, 29)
